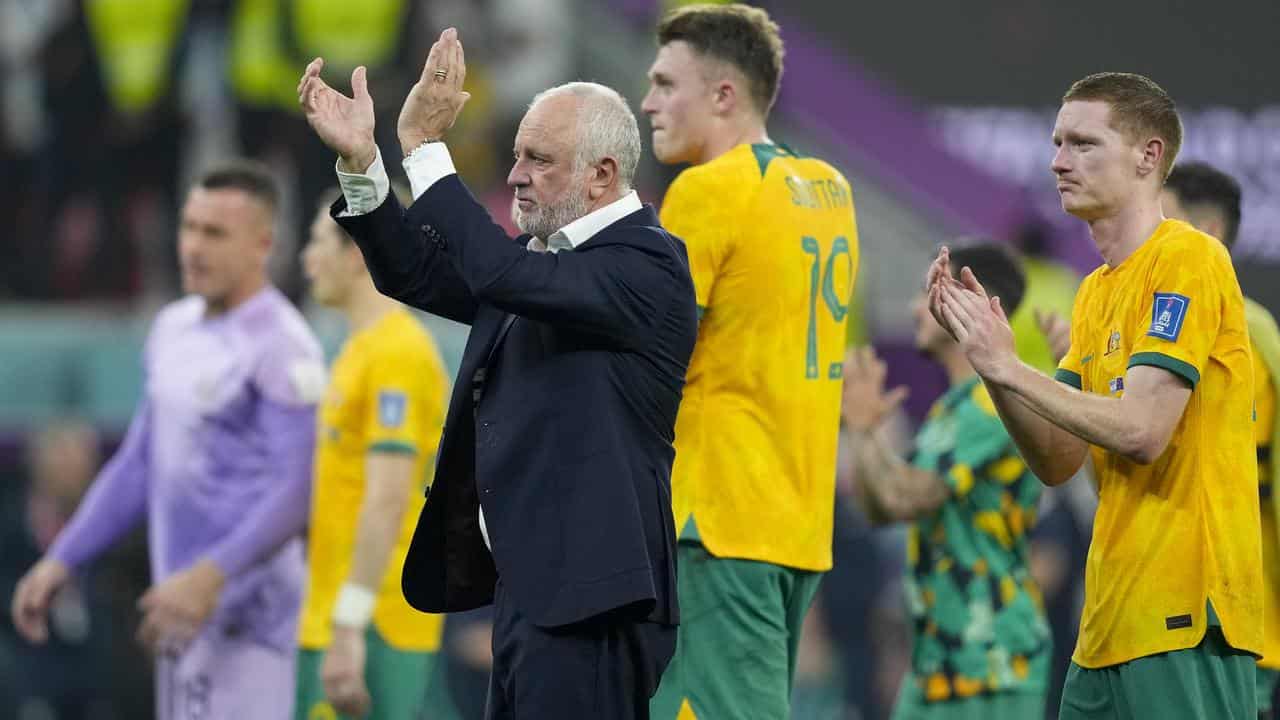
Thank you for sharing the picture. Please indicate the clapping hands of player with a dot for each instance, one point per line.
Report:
(864, 403)
(176, 608)
(975, 320)
(342, 672)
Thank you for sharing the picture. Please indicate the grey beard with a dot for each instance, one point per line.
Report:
(543, 222)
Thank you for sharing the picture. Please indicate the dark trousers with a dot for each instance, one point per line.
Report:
(606, 667)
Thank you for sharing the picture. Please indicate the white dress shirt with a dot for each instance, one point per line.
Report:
(431, 162)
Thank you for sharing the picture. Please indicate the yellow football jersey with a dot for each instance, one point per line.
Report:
(773, 248)
(1183, 530)
(387, 393)
(1264, 339)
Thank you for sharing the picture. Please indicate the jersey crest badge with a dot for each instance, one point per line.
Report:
(1113, 342)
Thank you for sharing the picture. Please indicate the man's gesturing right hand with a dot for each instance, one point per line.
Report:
(343, 123)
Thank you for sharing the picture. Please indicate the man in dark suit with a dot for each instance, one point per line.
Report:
(551, 496)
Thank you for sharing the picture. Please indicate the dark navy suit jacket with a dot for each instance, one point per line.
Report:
(563, 414)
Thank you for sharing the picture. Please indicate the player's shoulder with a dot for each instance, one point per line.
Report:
(290, 360)
(183, 312)
(716, 180)
(399, 339)
(1178, 239)
(276, 324)
(400, 329)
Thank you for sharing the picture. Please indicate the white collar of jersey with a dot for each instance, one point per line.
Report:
(586, 227)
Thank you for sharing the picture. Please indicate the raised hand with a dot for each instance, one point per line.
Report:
(436, 99)
(865, 404)
(344, 124)
(979, 324)
(1056, 330)
(938, 276)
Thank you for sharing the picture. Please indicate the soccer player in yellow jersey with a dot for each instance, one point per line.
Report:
(1159, 382)
(773, 250)
(364, 652)
(1209, 199)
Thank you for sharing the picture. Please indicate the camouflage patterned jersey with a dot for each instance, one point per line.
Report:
(978, 618)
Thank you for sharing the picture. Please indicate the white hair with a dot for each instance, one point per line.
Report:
(606, 128)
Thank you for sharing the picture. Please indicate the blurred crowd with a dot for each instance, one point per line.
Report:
(108, 106)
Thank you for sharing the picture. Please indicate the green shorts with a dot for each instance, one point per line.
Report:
(740, 625)
(1210, 680)
(1266, 685)
(398, 682)
(911, 705)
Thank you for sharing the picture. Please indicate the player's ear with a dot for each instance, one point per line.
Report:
(725, 96)
(1152, 154)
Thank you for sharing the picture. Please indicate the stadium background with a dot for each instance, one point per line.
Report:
(938, 113)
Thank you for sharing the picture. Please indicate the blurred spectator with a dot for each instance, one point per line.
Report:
(1051, 288)
(1059, 546)
(91, 621)
(25, 27)
(819, 683)
(848, 597)
(980, 644)
(115, 143)
(269, 43)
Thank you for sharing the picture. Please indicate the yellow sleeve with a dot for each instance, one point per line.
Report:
(1070, 368)
(698, 210)
(400, 407)
(1185, 311)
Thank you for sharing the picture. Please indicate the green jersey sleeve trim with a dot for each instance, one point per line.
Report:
(393, 446)
(1184, 370)
(1069, 378)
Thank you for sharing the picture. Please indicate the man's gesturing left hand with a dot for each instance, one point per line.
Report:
(436, 99)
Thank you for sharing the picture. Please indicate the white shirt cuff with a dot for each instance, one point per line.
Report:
(427, 164)
(365, 191)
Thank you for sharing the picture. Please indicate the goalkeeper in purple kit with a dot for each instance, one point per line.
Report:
(217, 459)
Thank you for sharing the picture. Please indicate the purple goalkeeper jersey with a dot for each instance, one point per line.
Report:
(218, 459)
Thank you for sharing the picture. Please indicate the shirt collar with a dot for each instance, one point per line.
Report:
(586, 227)
(240, 313)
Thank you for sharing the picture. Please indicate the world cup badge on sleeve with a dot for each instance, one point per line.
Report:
(1168, 310)
(391, 408)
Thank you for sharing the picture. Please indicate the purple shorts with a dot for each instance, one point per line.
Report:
(223, 677)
